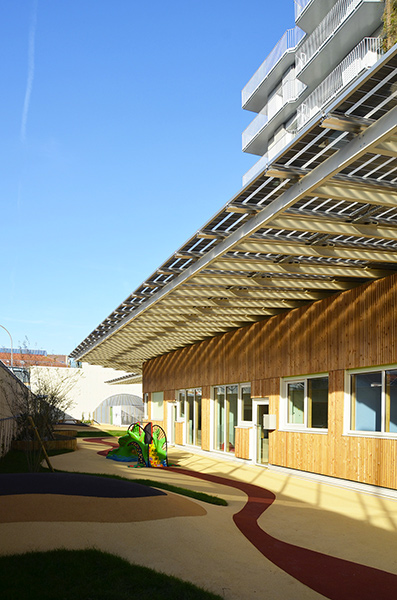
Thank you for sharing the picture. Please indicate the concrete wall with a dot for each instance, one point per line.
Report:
(87, 386)
(10, 390)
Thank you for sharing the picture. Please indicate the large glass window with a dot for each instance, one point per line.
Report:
(181, 401)
(157, 406)
(317, 399)
(219, 409)
(296, 402)
(145, 405)
(190, 416)
(230, 403)
(373, 405)
(231, 416)
(190, 409)
(246, 402)
(306, 402)
(197, 417)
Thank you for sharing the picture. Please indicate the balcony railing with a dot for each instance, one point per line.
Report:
(363, 56)
(286, 44)
(278, 146)
(254, 128)
(328, 26)
(259, 166)
(300, 6)
(263, 162)
(289, 92)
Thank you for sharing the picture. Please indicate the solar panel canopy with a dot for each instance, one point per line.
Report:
(321, 219)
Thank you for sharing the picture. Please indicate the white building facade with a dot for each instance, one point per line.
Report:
(332, 43)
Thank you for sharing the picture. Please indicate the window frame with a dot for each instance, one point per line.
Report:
(158, 405)
(299, 427)
(240, 410)
(348, 403)
(145, 406)
(240, 406)
(183, 416)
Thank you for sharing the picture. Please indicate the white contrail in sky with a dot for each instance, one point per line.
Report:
(29, 83)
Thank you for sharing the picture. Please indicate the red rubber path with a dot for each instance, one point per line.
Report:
(332, 577)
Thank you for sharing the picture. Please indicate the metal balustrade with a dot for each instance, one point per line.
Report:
(254, 128)
(300, 6)
(289, 92)
(328, 26)
(287, 43)
(363, 56)
(279, 145)
(259, 166)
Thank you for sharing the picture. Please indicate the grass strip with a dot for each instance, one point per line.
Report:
(183, 491)
(99, 433)
(160, 485)
(89, 574)
(17, 461)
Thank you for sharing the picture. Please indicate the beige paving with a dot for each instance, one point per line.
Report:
(207, 549)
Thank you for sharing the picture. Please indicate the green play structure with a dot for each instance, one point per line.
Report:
(147, 446)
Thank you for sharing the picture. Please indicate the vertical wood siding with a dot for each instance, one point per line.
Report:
(357, 328)
(242, 449)
(179, 433)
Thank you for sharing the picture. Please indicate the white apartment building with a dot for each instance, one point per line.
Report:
(332, 43)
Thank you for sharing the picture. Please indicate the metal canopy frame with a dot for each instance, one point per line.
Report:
(321, 219)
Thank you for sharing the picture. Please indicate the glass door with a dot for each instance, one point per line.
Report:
(231, 417)
(193, 417)
(225, 417)
(261, 408)
(172, 419)
(219, 414)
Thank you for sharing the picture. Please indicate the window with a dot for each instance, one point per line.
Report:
(231, 404)
(373, 400)
(157, 406)
(189, 403)
(246, 402)
(145, 405)
(304, 402)
(181, 396)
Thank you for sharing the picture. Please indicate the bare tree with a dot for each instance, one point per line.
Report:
(46, 406)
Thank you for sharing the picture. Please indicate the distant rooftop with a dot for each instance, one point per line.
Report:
(23, 351)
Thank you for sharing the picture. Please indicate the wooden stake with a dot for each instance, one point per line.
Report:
(32, 423)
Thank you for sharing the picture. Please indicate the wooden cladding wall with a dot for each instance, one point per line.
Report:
(242, 442)
(179, 433)
(363, 459)
(357, 328)
(354, 329)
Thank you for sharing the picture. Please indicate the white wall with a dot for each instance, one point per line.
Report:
(89, 388)
(12, 392)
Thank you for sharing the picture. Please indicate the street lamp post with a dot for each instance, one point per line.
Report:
(12, 357)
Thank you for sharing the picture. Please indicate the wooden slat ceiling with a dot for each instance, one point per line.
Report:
(320, 220)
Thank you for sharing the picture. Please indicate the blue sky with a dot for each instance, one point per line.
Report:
(121, 128)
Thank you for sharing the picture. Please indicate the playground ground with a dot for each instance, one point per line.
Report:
(280, 537)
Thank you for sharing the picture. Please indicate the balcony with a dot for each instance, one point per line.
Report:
(283, 139)
(343, 28)
(280, 106)
(364, 55)
(300, 6)
(254, 94)
(309, 13)
(254, 171)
